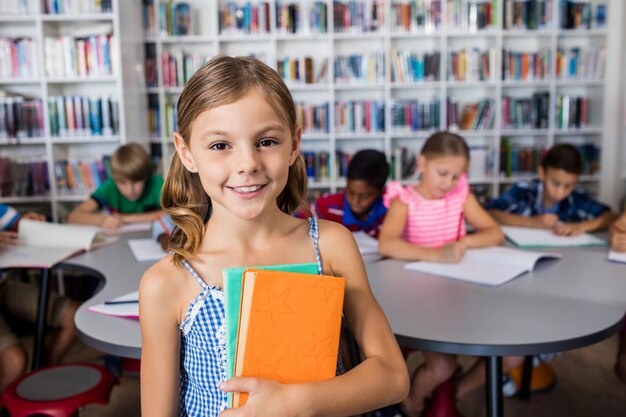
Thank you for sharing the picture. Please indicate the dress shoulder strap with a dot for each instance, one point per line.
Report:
(194, 274)
(315, 234)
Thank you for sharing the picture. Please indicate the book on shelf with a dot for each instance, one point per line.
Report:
(233, 283)
(125, 306)
(43, 245)
(24, 177)
(492, 266)
(615, 256)
(527, 14)
(289, 327)
(526, 237)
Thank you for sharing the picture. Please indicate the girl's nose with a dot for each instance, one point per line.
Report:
(248, 162)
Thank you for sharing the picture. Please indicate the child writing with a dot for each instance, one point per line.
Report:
(131, 195)
(360, 206)
(19, 300)
(238, 158)
(551, 202)
(426, 221)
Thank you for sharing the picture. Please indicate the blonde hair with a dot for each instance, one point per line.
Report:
(131, 162)
(223, 80)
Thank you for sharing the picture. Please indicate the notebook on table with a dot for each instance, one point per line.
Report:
(526, 237)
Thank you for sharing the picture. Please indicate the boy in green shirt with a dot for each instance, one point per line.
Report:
(131, 195)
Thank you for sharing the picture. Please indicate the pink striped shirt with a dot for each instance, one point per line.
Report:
(431, 223)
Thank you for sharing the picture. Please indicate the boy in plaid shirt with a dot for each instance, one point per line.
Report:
(551, 202)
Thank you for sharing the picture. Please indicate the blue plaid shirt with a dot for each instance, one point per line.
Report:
(526, 199)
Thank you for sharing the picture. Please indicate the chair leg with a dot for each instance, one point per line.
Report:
(527, 376)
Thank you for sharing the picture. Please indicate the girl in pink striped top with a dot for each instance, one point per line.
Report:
(426, 221)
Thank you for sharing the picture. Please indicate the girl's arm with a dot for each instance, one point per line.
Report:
(87, 213)
(488, 232)
(542, 221)
(381, 379)
(599, 223)
(391, 243)
(160, 342)
(141, 217)
(618, 234)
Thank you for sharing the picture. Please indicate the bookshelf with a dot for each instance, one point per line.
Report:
(386, 74)
(71, 94)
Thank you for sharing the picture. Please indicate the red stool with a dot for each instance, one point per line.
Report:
(58, 391)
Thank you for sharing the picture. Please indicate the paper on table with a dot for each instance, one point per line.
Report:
(42, 245)
(487, 266)
(129, 228)
(617, 256)
(526, 237)
(127, 311)
(146, 249)
(368, 246)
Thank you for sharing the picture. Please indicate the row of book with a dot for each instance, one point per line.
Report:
(528, 14)
(18, 58)
(415, 115)
(69, 56)
(526, 66)
(83, 115)
(470, 116)
(366, 116)
(472, 15)
(81, 176)
(571, 112)
(318, 164)
(313, 118)
(576, 14)
(358, 69)
(17, 7)
(581, 63)
(24, 177)
(415, 16)
(290, 18)
(178, 66)
(471, 64)
(357, 16)
(74, 7)
(20, 118)
(526, 112)
(296, 70)
(244, 17)
(411, 67)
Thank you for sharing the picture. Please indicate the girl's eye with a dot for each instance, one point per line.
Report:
(220, 146)
(266, 142)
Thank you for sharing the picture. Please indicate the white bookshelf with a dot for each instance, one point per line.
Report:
(126, 85)
(208, 40)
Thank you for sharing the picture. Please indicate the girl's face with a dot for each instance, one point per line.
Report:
(440, 175)
(242, 152)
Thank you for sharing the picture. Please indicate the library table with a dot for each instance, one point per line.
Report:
(561, 305)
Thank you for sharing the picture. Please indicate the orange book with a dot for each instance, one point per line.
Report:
(289, 327)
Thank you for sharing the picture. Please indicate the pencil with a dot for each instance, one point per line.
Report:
(113, 302)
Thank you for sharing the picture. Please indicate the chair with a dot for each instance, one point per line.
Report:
(58, 391)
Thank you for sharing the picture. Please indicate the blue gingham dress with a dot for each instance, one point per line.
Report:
(203, 347)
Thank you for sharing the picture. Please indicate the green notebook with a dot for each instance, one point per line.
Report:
(232, 300)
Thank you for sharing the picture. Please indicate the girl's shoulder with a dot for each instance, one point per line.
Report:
(395, 190)
(162, 280)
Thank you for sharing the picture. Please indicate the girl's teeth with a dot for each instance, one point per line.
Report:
(247, 189)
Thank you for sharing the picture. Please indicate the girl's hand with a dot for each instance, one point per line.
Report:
(34, 216)
(265, 398)
(8, 239)
(111, 222)
(567, 229)
(546, 221)
(452, 252)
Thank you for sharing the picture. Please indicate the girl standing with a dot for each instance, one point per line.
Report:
(231, 188)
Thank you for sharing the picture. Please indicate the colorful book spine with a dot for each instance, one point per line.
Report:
(313, 119)
(416, 115)
(411, 67)
(78, 176)
(360, 116)
(358, 16)
(528, 14)
(415, 16)
(20, 118)
(25, 176)
(360, 69)
(526, 112)
(83, 116)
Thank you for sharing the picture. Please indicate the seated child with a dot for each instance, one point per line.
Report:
(551, 202)
(360, 206)
(131, 195)
(19, 300)
(618, 243)
(426, 221)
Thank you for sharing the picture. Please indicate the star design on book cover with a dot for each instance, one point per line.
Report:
(321, 349)
(268, 370)
(276, 305)
(328, 286)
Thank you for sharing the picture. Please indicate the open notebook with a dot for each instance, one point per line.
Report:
(125, 306)
(42, 245)
(617, 256)
(146, 249)
(526, 237)
(486, 266)
(368, 246)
